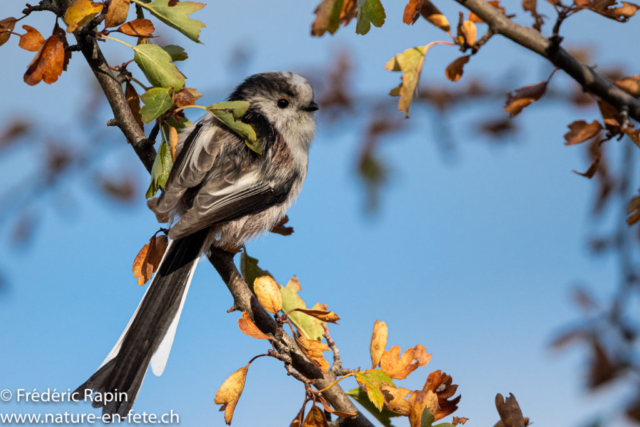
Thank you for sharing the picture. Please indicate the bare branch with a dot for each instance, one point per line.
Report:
(529, 38)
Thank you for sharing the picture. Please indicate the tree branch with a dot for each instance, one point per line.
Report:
(221, 260)
(529, 38)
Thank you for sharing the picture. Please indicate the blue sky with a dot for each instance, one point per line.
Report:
(473, 258)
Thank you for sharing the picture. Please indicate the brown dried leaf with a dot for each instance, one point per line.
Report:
(329, 409)
(593, 167)
(477, 20)
(400, 367)
(418, 401)
(32, 40)
(523, 97)
(172, 3)
(581, 131)
(117, 13)
(148, 259)
(122, 189)
(634, 134)
(133, 100)
(412, 11)
(325, 316)
(395, 399)
(80, 13)
(531, 7)
(313, 349)
(137, 28)
(433, 15)
(281, 228)
(249, 328)
(440, 383)
(456, 68)
(606, 8)
(378, 342)
(48, 63)
(327, 17)
(603, 369)
(6, 26)
(57, 31)
(630, 84)
(315, 418)
(185, 97)
(467, 33)
(349, 11)
(13, 132)
(459, 420)
(509, 411)
(610, 116)
(268, 293)
(230, 391)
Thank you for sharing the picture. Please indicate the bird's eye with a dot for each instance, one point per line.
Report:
(283, 103)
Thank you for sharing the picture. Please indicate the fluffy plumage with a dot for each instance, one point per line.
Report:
(219, 192)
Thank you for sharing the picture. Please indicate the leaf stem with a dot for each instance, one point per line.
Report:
(119, 41)
(353, 374)
(200, 107)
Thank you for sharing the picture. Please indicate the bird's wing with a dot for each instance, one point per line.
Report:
(219, 201)
(199, 152)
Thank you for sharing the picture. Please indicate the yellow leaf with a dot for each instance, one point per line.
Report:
(313, 349)
(467, 33)
(230, 391)
(148, 259)
(32, 40)
(268, 294)
(249, 328)
(81, 13)
(173, 141)
(378, 342)
(418, 401)
(325, 316)
(315, 418)
(395, 399)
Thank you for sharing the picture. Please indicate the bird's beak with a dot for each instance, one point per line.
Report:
(312, 107)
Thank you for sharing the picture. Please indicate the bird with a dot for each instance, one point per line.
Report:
(219, 192)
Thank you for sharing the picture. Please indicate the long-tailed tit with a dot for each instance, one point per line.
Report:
(220, 193)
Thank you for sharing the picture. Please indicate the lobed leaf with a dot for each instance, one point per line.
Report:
(157, 101)
(175, 52)
(378, 342)
(249, 328)
(230, 391)
(307, 325)
(456, 68)
(581, 131)
(177, 16)
(48, 63)
(32, 40)
(383, 416)
(369, 12)
(400, 367)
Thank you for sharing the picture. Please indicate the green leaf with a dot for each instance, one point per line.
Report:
(156, 65)
(383, 416)
(369, 12)
(161, 169)
(373, 392)
(157, 101)
(250, 269)
(177, 16)
(443, 425)
(230, 114)
(427, 418)
(308, 325)
(179, 125)
(377, 377)
(177, 53)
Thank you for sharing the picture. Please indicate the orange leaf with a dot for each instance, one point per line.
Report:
(117, 13)
(495, 3)
(412, 11)
(230, 391)
(456, 68)
(249, 328)
(148, 259)
(400, 367)
(395, 399)
(433, 15)
(325, 316)
(313, 349)
(630, 84)
(6, 26)
(48, 63)
(137, 28)
(32, 40)
(378, 342)
(173, 141)
(268, 293)
(580, 131)
(593, 168)
(467, 33)
(329, 409)
(418, 401)
(634, 210)
(621, 14)
(610, 116)
(134, 103)
(185, 97)
(440, 384)
(459, 420)
(57, 31)
(523, 97)
(531, 7)
(348, 12)
(315, 418)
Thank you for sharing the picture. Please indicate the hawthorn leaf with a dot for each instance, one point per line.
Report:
(309, 326)
(378, 342)
(412, 11)
(57, 31)
(327, 17)
(434, 16)
(313, 349)
(399, 367)
(6, 26)
(48, 63)
(177, 16)
(80, 13)
(581, 131)
(133, 100)
(630, 84)
(173, 140)
(523, 97)
(362, 398)
(323, 315)
(117, 13)
(230, 391)
(509, 411)
(418, 402)
(148, 259)
(156, 101)
(369, 12)
(249, 328)
(156, 65)
(427, 418)
(230, 113)
(137, 28)
(160, 170)
(268, 294)
(467, 33)
(456, 68)
(176, 52)
(281, 227)
(250, 270)
(315, 418)
(395, 399)
(32, 40)
(441, 384)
